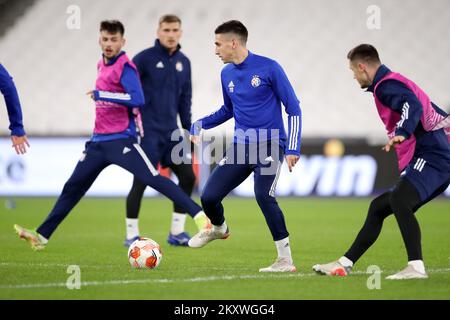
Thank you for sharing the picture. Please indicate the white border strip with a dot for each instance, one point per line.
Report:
(197, 279)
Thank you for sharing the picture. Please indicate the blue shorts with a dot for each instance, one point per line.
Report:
(427, 176)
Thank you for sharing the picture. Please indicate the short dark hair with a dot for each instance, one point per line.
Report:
(365, 52)
(169, 18)
(233, 26)
(112, 26)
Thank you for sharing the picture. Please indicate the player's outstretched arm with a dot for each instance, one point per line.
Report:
(213, 120)
(194, 132)
(133, 96)
(14, 109)
(283, 88)
(91, 94)
(195, 139)
(20, 144)
(396, 96)
(292, 160)
(392, 142)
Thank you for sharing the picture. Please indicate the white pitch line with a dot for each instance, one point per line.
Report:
(197, 279)
(146, 281)
(50, 265)
(100, 266)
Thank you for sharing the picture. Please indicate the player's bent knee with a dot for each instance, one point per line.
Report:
(375, 207)
(264, 196)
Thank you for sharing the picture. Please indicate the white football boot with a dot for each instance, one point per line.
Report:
(334, 268)
(408, 273)
(207, 235)
(280, 265)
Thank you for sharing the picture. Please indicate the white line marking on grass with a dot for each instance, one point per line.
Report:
(197, 279)
(49, 265)
(145, 281)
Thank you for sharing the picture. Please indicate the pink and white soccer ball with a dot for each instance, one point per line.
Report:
(144, 253)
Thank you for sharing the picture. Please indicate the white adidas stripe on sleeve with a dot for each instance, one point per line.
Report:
(114, 95)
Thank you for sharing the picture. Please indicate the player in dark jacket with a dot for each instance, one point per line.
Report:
(165, 74)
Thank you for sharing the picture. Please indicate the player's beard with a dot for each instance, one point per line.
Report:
(365, 84)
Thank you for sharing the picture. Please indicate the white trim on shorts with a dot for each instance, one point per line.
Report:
(146, 160)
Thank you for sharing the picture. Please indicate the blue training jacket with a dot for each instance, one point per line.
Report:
(253, 92)
(12, 101)
(167, 85)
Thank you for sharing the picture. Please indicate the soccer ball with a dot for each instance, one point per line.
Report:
(144, 253)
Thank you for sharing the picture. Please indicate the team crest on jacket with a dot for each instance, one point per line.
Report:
(179, 66)
(256, 81)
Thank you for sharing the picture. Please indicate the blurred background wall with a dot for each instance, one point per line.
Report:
(54, 65)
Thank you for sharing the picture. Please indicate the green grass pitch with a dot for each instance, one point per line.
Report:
(320, 231)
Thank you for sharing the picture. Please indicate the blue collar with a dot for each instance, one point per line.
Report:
(164, 51)
(380, 74)
(114, 59)
(246, 60)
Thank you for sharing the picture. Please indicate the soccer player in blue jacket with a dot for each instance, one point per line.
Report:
(419, 132)
(253, 89)
(165, 74)
(9, 91)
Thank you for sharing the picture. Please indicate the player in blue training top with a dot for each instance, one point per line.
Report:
(253, 89)
(419, 131)
(9, 91)
(118, 96)
(165, 74)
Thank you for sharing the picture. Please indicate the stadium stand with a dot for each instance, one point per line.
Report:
(11, 11)
(54, 66)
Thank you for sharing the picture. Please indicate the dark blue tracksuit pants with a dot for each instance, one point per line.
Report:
(158, 146)
(125, 153)
(233, 169)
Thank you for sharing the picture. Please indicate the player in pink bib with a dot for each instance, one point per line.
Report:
(118, 96)
(419, 131)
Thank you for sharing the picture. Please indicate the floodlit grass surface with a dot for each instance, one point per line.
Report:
(321, 230)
